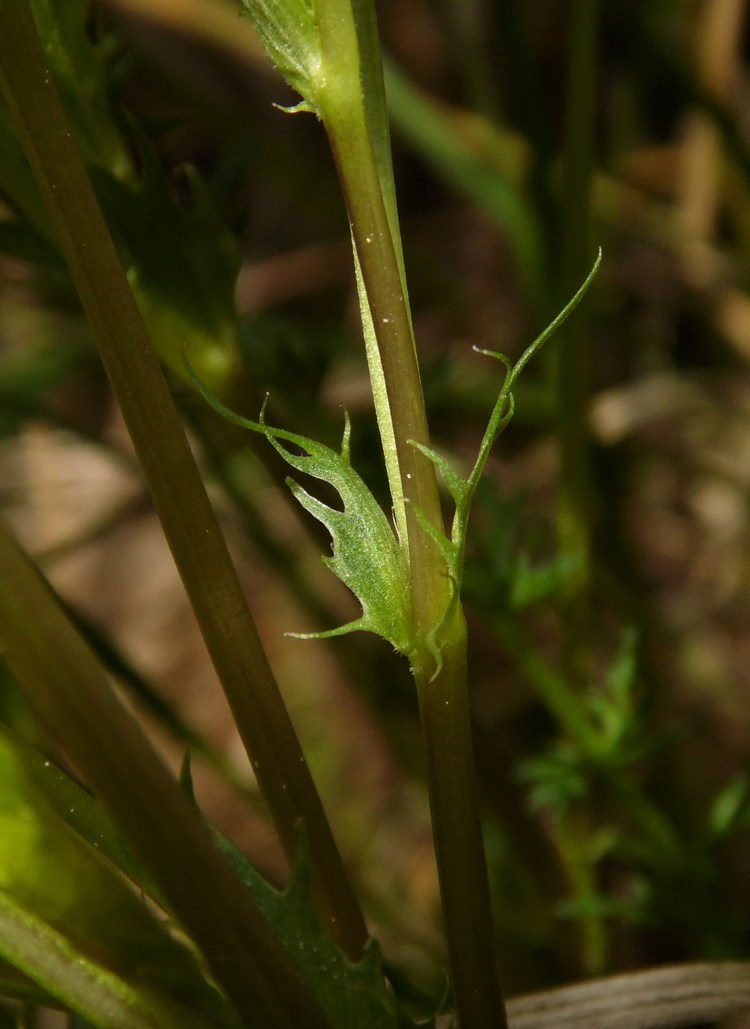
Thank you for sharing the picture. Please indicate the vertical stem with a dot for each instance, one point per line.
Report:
(357, 129)
(444, 702)
(572, 829)
(389, 311)
(443, 691)
(573, 351)
(180, 497)
(459, 847)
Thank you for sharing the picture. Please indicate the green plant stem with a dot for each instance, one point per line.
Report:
(364, 181)
(70, 693)
(573, 829)
(430, 587)
(459, 847)
(377, 259)
(573, 354)
(178, 491)
(359, 142)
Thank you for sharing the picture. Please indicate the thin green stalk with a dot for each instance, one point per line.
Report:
(418, 483)
(573, 389)
(573, 355)
(349, 44)
(573, 830)
(178, 491)
(459, 846)
(443, 694)
(400, 373)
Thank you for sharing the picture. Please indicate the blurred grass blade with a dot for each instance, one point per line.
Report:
(185, 511)
(70, 693)
(70, 923)
(80, 810)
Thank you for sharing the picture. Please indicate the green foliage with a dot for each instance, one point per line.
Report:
(366, 554)
(72, 925)
(573, 769)
(616, 827)
(290, 33)
(730, 811)
(350, 993)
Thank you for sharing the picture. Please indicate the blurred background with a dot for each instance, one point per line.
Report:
(607, 584)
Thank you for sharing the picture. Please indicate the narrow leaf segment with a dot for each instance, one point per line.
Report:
(290, 33)
(366, 555)
(462, 490)
(73, 925)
